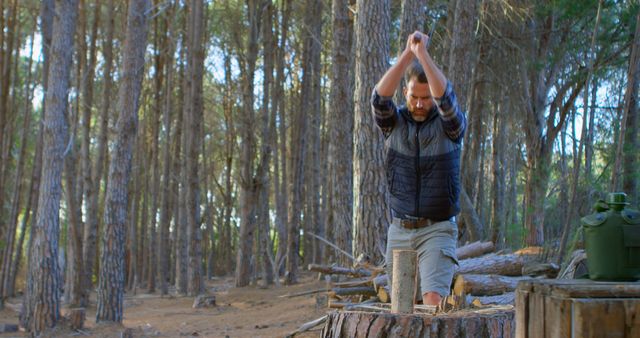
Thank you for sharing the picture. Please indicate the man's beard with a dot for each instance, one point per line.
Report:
(419, 114)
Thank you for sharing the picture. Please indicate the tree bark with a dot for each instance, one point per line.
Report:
(411, 20)
(89, 248)
(42, 300)
(485, 285)
(168, 181)
(631, 140)
(371, 212)
(474, 249)
(6, 276)
(340, 129)
(111, 284)
(507, 265)
(488, 323)
(193, 122)
(247, 185)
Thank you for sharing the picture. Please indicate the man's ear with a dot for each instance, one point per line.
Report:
(404, 91)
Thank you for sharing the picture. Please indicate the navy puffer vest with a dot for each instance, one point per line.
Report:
(423, 168)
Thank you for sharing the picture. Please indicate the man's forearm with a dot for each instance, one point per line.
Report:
(391, 80)
(437, 80)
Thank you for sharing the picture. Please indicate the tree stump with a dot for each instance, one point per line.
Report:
(482, 323)
(204, 301)
(76, 318)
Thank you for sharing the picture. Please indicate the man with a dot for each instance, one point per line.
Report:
(423, 142)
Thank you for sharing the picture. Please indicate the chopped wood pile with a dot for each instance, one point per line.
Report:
(484, 280)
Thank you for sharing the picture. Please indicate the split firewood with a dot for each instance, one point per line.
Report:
(358, 290)
(384, 294)
(549, 270)
(474, 249)
(338, 270)
(485, 285)
(494, 264)
(530, 250)
(577, 266)
(503, 299)
(380, 280)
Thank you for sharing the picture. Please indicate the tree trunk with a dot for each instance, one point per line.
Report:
(46, 19)
(6, 277)
(498, 188)
(111, 284)
(314, 108)
(460, 73)
(193, 122)
(91, 225)
(371, 213)
(631, 140)
(42, 300)
(262, 174)
(411, 20)
(340, 129)
(247, 185)
(168, 181)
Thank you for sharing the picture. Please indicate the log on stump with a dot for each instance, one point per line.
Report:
(485, 285)
(403, 289)
(76, 318)
(474, 249)
(493, 264)
(339, 270)
(489, 322)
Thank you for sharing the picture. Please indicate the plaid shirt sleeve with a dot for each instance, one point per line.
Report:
(384, 112)
(453, 120)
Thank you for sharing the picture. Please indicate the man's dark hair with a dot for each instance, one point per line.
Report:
(415, 70)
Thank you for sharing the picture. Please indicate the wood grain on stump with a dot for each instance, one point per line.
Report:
(485, 323)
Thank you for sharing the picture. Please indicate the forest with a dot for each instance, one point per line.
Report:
(157, 144)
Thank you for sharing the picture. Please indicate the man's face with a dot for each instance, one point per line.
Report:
(419, 100)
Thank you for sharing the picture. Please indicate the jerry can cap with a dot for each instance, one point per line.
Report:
(618, 198)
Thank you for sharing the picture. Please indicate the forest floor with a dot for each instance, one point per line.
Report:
(240, 312)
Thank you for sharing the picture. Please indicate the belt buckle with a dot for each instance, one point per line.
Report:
(414, 222)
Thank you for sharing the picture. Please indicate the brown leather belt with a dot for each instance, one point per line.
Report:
(417, 223)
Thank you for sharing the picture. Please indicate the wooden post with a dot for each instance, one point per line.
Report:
(403, 287)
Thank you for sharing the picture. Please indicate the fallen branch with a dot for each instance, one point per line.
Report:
(332, 245)
(303, 293)
(308, 326)
(338, 270)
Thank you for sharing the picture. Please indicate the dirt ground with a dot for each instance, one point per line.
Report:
(240, 312)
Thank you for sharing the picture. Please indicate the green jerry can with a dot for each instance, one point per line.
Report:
(612, 240)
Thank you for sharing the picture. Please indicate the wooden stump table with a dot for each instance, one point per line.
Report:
(558, 308)
(490, 322)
